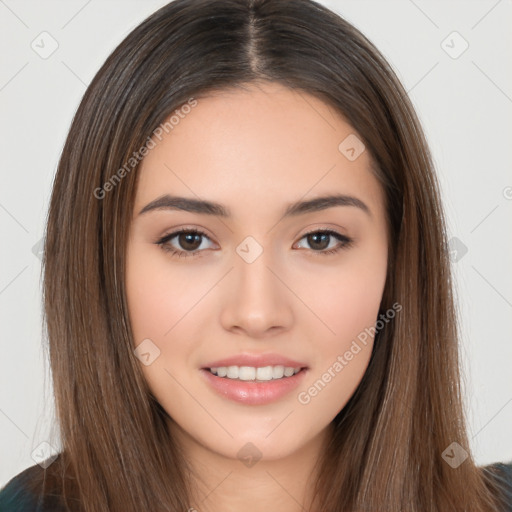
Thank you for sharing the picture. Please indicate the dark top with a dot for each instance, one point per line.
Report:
(16, 496)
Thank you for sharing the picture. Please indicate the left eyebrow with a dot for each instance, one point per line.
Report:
(188, 204)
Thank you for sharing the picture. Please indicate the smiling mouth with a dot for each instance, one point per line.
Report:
(255, 374)
(251, 385)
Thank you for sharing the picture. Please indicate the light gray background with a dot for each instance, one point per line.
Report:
(465, 105)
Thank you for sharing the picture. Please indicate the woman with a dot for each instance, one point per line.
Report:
(247, 292)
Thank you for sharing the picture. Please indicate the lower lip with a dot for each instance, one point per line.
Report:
(253, 393)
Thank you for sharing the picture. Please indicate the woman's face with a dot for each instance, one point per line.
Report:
(262, 284)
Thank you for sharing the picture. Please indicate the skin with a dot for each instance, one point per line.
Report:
(255, 151)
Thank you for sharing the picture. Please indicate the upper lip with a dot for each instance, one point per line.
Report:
(256, 360)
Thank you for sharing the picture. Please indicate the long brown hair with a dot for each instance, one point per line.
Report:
(386, 453)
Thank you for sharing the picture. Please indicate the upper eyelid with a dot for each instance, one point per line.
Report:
(172, 234)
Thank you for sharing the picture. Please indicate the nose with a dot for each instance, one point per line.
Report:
(257, 300)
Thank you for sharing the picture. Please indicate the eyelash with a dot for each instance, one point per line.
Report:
(345, 242)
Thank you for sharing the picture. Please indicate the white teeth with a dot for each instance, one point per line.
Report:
(232, 372)
(277, 372)
(253, 373)
(288, 372)
(246, 373)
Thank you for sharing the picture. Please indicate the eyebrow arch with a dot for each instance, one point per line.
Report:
(168, 202)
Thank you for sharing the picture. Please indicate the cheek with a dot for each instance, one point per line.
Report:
(157, 300)
(343, 299)
(342, 354)
(159, 295)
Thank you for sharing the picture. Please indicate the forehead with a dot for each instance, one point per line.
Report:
(264, 144)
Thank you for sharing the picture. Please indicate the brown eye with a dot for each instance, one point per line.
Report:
(320, 241)
(189, 241)
(183, 243)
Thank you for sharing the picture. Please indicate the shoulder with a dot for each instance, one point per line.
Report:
(33, 490)
(501, 474)
(17, 495)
